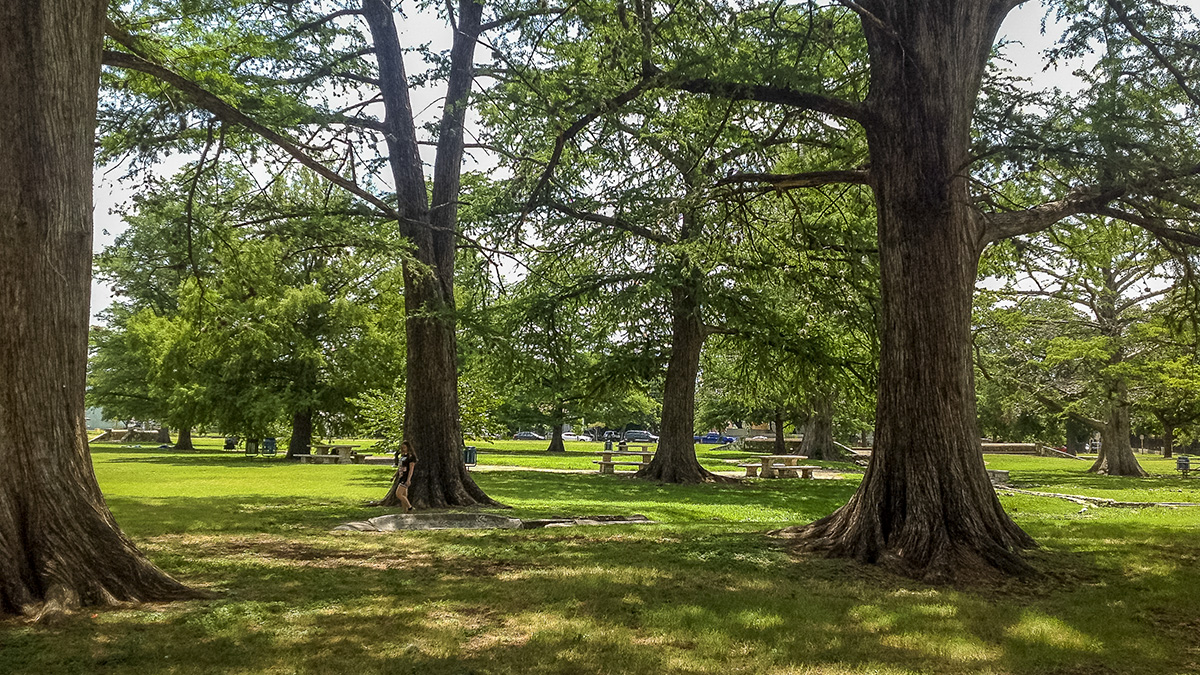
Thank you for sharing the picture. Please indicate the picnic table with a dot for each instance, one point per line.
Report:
(779, 466)
(607, 463)
(333, 453)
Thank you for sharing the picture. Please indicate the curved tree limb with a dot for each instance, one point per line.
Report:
(227, 113)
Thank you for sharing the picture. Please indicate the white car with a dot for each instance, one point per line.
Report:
(572, 437)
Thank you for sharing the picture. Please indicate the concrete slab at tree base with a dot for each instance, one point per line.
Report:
(477, 521)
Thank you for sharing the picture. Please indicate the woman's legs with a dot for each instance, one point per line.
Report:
(402, 495)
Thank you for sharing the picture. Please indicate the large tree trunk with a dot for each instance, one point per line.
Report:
(818, 432)
(675, 459)
(431, 419)
(184, 440)
(163, 435)
(59, 545)
(1116, 456)
(925, 507)
(302, 434)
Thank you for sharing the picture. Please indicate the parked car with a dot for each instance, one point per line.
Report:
(528, 436)
(640, 436)
(572, 437)
(612, 436)
(714, 438)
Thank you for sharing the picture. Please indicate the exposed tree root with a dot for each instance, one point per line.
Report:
(452, 494)
(681, 472)
(956, 543)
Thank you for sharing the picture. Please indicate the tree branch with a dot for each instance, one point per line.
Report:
(999, 226)
(518, 16)
(560, 143)
(1180, 78)
(227, 113)
(1156, 226)
(738, 91)
(788, 181)
(610, 221)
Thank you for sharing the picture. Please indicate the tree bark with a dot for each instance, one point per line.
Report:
(184, 440)
(60, 547)
(302, 434)
(1116, 456)
(164, 435)
(431, 419)
(675, 459)
(925, 507)
(818, 432)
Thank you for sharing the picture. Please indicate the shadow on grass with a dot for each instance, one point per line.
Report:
(694, 599)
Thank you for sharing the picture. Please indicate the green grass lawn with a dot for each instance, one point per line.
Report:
(705, 590)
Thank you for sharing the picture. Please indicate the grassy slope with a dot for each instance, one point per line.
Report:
(704, 591)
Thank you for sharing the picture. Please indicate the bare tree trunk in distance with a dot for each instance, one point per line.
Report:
(780, 440)
(675, 459)
(431, 387)
(184, 440)
(1077, 434)
(556, 436)
(1168, 437)
(164, 435)
(925, 507)
(302, 434)
(60, 547)
(818, 432)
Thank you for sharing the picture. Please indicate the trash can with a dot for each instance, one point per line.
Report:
(251, 447)
(1183, 463)
(469, 455)
(608, 445)
(269, 446)
(231, 442)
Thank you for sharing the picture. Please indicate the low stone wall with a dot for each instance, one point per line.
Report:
(767, 446)
(1012, 448)
(110, 436)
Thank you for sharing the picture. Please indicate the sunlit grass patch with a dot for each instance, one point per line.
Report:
(702, 590)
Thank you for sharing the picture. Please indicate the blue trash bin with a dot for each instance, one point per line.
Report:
(268, 446)
(469, 455)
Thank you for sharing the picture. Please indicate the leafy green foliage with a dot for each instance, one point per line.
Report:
(278, 300)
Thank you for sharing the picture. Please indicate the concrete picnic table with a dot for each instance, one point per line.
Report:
(789, 462)
(333, 453)
(606, 457)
